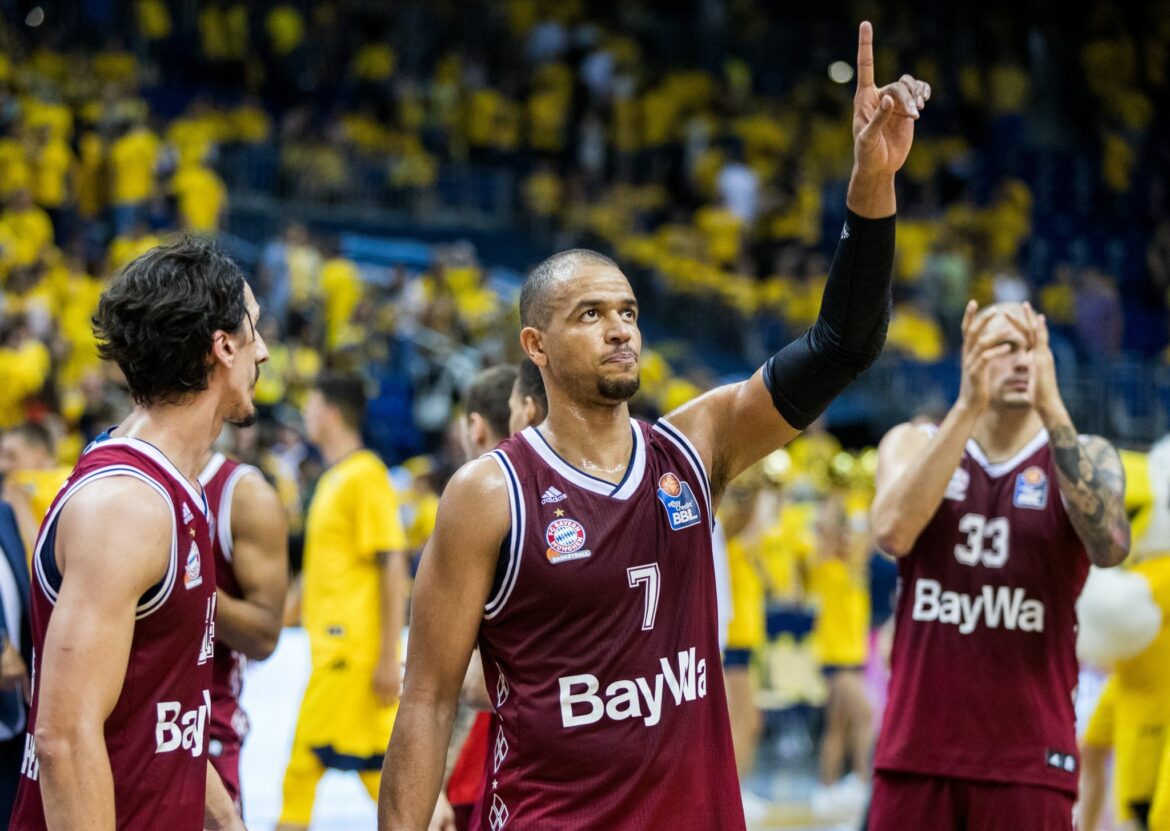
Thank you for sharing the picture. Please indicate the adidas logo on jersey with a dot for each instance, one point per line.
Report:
(996, 606)
(188, 517)
(633, 698)
(552, 495)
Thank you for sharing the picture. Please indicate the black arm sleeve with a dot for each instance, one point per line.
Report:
(807, 374)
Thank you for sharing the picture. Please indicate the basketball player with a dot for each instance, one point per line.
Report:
(528, 404)
(250, 542)
(489, 409)
(354, 604)
(579, 552)
(123, 598)
(995, 516)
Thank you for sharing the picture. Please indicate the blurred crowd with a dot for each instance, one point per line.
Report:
(712, 157)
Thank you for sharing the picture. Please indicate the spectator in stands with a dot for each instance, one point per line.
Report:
(133, 157)
(31, 474)
(1099, 320)
(739, 187)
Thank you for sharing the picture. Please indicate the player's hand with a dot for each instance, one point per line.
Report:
(883, 117)
(387, 680)
(1045, 392)
(444, 817)
(979, 350)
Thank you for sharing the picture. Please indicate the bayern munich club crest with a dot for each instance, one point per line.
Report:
(566, 541)
(193, 572)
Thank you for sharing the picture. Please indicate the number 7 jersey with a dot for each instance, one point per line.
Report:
(984, 666)
(600, 647)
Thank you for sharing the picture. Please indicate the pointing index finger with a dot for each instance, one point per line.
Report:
(865, 55)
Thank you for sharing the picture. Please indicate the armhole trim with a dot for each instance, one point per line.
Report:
(157, 595)
(496, 603)
(223, 516)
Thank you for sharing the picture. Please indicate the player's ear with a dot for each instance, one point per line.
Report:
(532, 342)
(222, 349)
(476, 429)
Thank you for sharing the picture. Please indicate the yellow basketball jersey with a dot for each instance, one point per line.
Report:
(352, 517)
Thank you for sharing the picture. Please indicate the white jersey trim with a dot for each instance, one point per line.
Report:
(145, 607)
(212, 468)
(676, 436)
(496, 603)
(152, 452)
(622, 490)
(998, 469)
(223, 511)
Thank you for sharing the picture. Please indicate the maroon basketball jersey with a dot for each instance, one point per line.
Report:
(984, 666)
(229, 722)
(600, 647)
(155, 735)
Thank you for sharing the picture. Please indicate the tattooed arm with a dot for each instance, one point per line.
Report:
(1088, 469)
(1092, 482)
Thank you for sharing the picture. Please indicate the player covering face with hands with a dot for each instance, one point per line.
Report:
(995, 514)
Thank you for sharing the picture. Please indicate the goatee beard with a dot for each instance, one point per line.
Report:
(618, 389)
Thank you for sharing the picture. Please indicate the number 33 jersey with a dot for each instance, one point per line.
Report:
(600, 647)
(984, 666)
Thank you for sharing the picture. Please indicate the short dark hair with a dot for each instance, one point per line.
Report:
(488, 395)
(347, 392)
(530, 384)
(156, 318)
(35, 434)
(535, 303)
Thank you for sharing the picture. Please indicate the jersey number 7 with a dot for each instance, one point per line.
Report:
(650, 576)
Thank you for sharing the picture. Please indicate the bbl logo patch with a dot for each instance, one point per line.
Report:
(1031, 489)
(682, 510)
(566, 541)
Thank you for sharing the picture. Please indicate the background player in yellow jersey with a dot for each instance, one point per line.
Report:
(1132, 716)
(354, 597)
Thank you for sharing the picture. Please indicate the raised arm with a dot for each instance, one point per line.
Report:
(259, 530)
(734, 426)
(914, 466)
(453, 583)
(1088, 468)
(87, 645)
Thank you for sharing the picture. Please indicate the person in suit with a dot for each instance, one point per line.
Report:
(15, 656)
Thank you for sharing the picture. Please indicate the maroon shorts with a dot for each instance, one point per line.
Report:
(225, 758)
(463, 816)
(908, 800)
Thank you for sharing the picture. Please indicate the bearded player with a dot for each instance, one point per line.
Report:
(123, 589)
(579, 551)
(995, 515)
